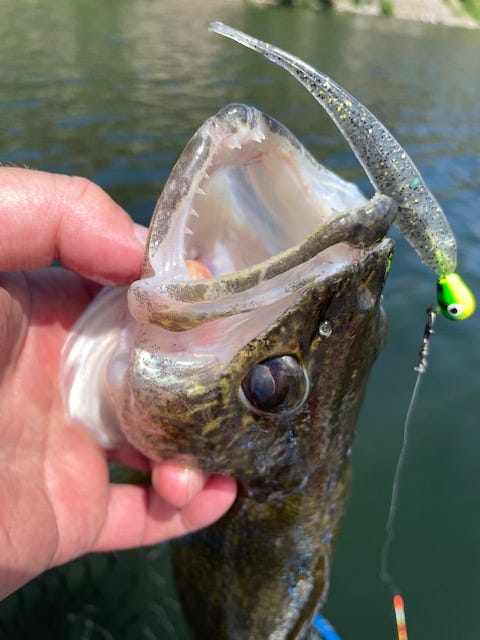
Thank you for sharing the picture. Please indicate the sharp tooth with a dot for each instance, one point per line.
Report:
(188, 231)
(234, 143)
(201, 192)
(194, 213)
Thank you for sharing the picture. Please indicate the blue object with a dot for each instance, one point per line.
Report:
(325, 628)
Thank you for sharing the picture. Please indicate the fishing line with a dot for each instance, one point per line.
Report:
(385, 574)
(456, 302)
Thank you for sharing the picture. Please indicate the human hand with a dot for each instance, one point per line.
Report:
(56, 502)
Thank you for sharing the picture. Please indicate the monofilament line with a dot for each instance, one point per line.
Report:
(390, 526)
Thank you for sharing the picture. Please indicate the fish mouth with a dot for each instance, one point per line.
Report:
(253, 207)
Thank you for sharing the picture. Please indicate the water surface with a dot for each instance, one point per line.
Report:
(112, 91)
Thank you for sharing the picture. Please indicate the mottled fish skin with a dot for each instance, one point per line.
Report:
(392, 172)
(263, 570)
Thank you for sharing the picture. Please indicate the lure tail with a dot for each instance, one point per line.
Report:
(392, 172)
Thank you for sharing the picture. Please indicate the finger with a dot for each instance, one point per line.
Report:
(177, 484)
(210, 504)
(138, 516)
(47, 216)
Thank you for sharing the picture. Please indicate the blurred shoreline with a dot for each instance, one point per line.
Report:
(451, 13)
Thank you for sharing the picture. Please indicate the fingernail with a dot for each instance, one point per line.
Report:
(194, 481)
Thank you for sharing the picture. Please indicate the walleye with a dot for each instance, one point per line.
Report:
(257, 371)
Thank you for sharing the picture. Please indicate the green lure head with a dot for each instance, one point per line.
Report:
(455, 299)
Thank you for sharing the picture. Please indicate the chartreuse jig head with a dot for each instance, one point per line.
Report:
(392, 172)
(455, 299)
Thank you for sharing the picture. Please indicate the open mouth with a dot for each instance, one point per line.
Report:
(245, 214)
(261, 195)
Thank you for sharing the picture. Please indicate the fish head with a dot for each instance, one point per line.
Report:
(243, 372)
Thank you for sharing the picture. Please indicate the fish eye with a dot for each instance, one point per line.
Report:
(276, 385)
